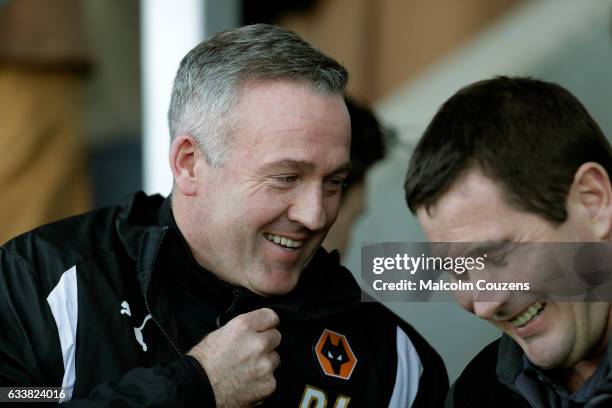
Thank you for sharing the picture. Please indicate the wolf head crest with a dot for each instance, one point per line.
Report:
(335, 355)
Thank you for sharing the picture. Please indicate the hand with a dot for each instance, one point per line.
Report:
(239, 358)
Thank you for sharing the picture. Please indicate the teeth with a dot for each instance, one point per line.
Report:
(528, 314)
(283, 241)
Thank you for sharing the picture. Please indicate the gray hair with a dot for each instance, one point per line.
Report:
(209, 78)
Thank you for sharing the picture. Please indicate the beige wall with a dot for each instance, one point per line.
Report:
(384, 43)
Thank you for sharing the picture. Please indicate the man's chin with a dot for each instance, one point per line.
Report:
(275, 284)
(543, 355)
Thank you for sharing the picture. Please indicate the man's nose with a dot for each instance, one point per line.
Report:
(491, 304)
(307, 208)
(487, 310)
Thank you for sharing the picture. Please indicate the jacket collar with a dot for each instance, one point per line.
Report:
(324, 288)
(510, 362)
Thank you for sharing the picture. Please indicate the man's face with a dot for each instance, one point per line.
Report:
(263, 214)
(475, 210)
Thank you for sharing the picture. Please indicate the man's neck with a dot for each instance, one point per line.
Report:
(188, 232)
(578, 375)
(575, 377)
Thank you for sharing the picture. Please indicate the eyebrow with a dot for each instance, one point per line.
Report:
(489, 246)
(300, 165)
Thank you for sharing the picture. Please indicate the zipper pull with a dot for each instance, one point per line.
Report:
(223, 318)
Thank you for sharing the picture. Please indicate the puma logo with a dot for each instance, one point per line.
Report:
(138, 333)
(125, 309)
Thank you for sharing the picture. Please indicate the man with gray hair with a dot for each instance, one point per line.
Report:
(221, 294)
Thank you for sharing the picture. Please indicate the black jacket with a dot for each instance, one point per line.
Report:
(479, 386)
(489, 380)
(83, 305)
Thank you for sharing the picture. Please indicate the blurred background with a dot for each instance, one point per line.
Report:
(85, 85)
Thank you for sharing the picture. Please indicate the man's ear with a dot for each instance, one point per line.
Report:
(590, 199)
(184, 155)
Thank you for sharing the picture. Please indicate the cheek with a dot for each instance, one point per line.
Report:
(332, 208)
(266, 210)
(564, 317)
(265, 200)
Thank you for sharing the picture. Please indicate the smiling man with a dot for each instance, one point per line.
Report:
(515, 161)
(260, 217)
(220, 295)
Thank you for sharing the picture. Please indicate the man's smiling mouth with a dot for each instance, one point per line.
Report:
(531, 312)
(283, 241)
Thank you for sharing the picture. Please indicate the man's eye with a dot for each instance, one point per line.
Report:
(334, 184)
(285, 179)
(459, 276)
(496, 259)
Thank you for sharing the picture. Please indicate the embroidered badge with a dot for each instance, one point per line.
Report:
(335, 355)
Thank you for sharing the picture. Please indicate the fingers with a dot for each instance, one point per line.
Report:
(258, 320)
(267, 388)
(274, 358)
(271, 339)
(265, 319)
(264, 367)
(240, 358)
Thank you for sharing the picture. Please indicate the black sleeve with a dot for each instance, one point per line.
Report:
(180, 383)
(433, 385)
(30, 356)
(29, 353)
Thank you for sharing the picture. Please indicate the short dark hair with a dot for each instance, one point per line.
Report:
(369, 140)
(529, 135)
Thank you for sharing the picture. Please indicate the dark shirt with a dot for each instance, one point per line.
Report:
(540, 388)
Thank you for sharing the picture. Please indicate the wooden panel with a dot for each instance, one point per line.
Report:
(384, 43)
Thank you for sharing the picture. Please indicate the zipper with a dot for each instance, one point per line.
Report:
(146, 293)
(236, 294)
